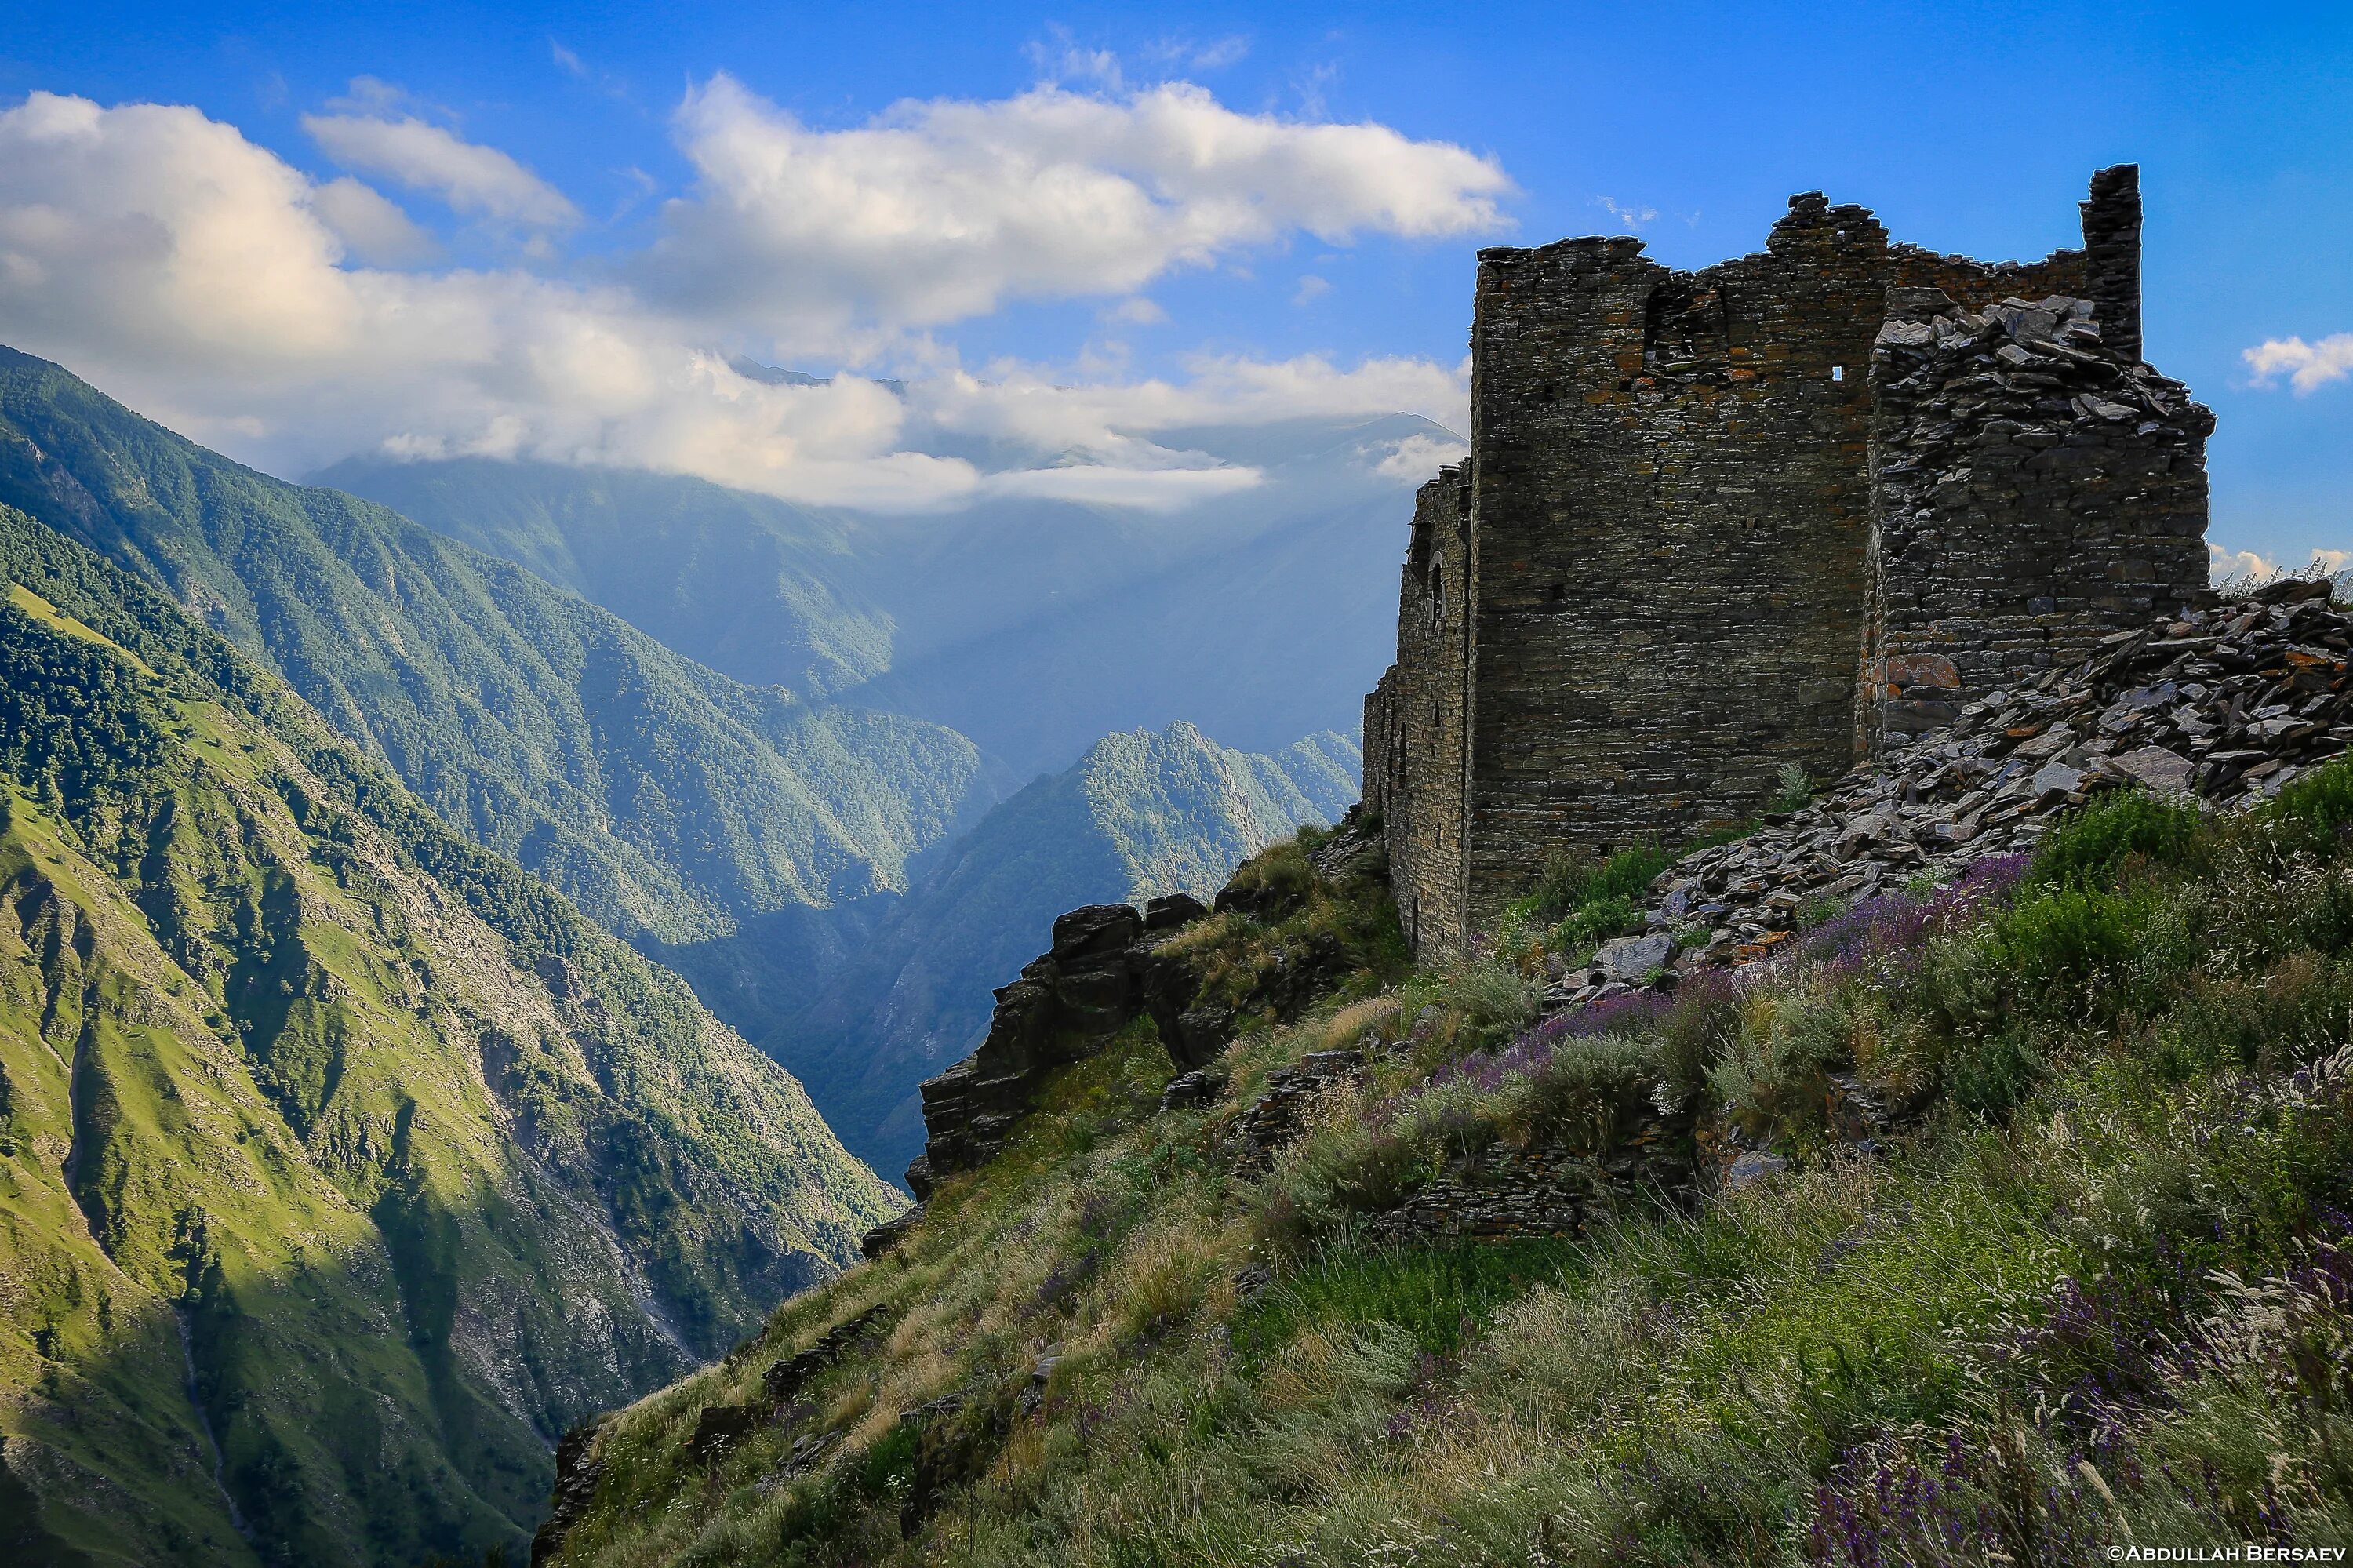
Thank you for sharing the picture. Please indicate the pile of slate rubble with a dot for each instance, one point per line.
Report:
(2229, 705)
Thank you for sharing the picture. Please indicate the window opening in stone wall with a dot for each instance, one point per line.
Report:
(1838, 372)
(1437, 595)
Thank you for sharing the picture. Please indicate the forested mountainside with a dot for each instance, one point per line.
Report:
(863, 1002)
(342, 1164)
(760, 589)
(667, 800)
(2000, 1216)
(1034, 627)
(753, 837)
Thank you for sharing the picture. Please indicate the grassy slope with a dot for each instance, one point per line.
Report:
(2098, 1290)
(1141, 814)
(424, 1166)
(667, 800)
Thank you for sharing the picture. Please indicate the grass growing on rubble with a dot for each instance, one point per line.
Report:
(1581, 899)
(2100, 1289)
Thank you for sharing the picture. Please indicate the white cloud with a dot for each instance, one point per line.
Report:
(1062, 59)
(1137, 311)
(154, 235)
(2232, 565)
(371, 228)
(471, 178)
(1311, 289)
(1184, 53)
(2229, 565)
(1213, 56)
(1103, 484)
(212, 286)
(942, 211)
(1632, 217)
(371, 95)
(1418, 457)
(1024, 408)
(2307, 366)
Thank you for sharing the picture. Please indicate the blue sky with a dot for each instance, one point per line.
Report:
(1966, 128)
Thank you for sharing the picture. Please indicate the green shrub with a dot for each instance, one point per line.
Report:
(1793, 792)
(1591, 924)
(1560, 886)
(888, 1468)
(2302, 1009)
(2091, 848)
(1492, 1000)
(1990, 1074)
(1629, 871)
(1280, 875)
(1690, 1037)
(1775, 1078)
(2060, 942)
(1436, 1293)
(1572, 879)
(2314, 814)
(1818, 911)
(1583, 1092)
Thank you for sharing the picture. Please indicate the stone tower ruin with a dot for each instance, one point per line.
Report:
(1793, 508)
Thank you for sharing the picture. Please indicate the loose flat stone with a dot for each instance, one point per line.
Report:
(2056, 779)
(1635, 959)
(2157, 768)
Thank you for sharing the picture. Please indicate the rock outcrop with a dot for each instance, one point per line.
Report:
(1108, 966)
(577, 1474)
(1082, 990)
(1511, 1194)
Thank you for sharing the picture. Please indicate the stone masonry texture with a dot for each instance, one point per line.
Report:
(1710, 519)
(2032, 491)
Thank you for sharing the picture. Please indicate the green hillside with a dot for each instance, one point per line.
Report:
(2024, 1239)
(668, 800)
(343, 1165)
(902, 994)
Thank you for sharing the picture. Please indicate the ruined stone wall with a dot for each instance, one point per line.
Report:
(2035, 489)
(1383, 755)
(1426, 714)
(1673, 504)
(1667, 540)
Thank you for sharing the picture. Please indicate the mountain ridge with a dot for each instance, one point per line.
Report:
(327, 1138)
(1140, 815)
(668, 799)
(1032, 626)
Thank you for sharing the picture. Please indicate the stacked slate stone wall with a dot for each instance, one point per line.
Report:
(1420, 714)
(1666, 543)
(1673, 506)
(2034, 489)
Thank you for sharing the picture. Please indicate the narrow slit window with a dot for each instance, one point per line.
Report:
(1838, 372)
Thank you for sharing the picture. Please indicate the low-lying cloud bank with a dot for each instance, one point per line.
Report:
(291, 320)
(2242, 565)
